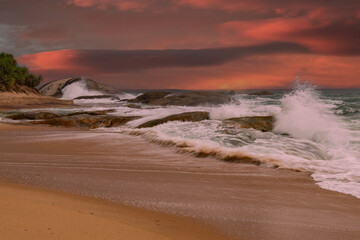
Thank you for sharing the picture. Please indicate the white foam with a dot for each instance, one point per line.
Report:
(305, 116)
(320, 142)
(243, 107)
(78, 89)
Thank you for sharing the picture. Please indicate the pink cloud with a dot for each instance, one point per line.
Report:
(52, 60)
(321, 30)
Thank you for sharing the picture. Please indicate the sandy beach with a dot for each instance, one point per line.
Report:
(241, 201)
(33, 213)
(29, 100)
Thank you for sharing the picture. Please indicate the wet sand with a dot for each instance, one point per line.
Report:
(243, 201)
(32, 213)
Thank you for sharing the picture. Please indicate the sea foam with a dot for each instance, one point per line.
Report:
(308, 136)
(78, 89)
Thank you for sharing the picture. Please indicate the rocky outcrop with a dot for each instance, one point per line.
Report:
(195, 98)
(262, 93)
(51, 115)
(87, 121)
(184, 117)
(261, 123)
(33, 116)
(111, 97)
(55, 88)
(132, 105)
(150, 97)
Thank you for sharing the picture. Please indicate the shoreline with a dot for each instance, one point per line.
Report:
(255, 201)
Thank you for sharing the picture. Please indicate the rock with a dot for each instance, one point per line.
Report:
(184, 117)
(112, 97)
(261, 123)
(33, 116)
(262, 93)
(55, 88)
(195, 98)
(149, 97)
(100, 112)
(87, 121)
(135, 106)
(51, 115)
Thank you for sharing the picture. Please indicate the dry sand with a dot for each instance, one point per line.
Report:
(13, 100)
(245, 201)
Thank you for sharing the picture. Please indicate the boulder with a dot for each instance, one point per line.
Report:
(100, 112)
(184, 117)
(150, 97)
(55, 88)
(262, 93)
(51, 115)
(261, 123)
(33, 116)
(87, 121)
(195, 98)
(132, 105)
(112, 97)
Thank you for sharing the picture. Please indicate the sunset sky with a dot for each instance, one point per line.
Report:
(187, 44)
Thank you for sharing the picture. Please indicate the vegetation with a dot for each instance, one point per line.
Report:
(12, 75)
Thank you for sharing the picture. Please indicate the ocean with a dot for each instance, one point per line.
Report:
(315, 130)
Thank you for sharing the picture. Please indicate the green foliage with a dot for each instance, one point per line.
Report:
(11, 74)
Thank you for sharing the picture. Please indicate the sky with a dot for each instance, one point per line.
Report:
(187, 44)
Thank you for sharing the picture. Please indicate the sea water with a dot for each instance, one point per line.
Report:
(315, 131)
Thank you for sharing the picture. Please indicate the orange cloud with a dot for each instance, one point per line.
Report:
(53, 60)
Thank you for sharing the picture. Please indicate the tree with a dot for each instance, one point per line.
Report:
(11, 74)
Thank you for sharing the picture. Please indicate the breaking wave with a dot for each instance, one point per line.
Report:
(309, 135)
(78, 89)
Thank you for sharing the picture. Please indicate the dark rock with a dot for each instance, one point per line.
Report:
(149, 97)
(87, 121)
(100, 112)
(182, 99)
(55, 88)
(33, 116)
(261, 123)
(184, 117)
(262, 93)
(51, 115)
(133, 106)
(112, 97)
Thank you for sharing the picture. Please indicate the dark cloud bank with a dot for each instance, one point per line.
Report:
(130, 60)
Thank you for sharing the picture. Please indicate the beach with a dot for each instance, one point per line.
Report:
(240, 201)
(34, 213)
(180, 120)
(29, 99)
